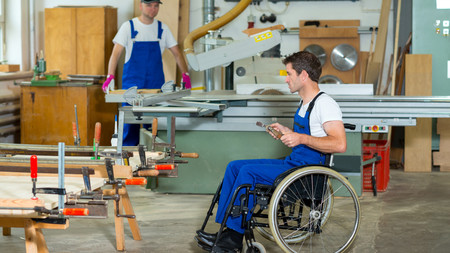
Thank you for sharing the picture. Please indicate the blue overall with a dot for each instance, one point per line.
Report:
(144, 69)
(264, 171)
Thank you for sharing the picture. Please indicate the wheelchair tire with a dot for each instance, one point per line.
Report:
(297, 210)
(256, 248)
(267, 234)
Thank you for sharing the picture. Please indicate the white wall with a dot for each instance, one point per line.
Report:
(365, 10)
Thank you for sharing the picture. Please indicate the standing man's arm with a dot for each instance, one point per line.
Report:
(182, 65)
(112, 65)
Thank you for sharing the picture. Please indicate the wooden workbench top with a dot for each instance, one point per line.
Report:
(16, 191)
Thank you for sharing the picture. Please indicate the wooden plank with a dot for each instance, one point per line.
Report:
(118, 222)
(375, 66)
(418, 139)
(30, 236)
(9, 67)
(128, 208)
(19, 187)
(60, 26)
(331, 32)
(90, 41)
(19, 203)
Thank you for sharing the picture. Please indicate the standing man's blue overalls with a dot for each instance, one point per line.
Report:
(265, 171)
(144, 69)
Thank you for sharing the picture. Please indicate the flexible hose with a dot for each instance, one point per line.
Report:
(214, 25)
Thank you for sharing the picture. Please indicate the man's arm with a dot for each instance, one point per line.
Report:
(334, 142)
(114, 59)
(179, 58)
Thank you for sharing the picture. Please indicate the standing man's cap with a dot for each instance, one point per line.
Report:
(150, 1)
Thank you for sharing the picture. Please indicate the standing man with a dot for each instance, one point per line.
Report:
(318, 130)
(144, 39)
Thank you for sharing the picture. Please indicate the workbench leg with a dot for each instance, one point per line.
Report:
(120, 236)
(41, 244)
(6, 231)
(30, 236)
(129, 211)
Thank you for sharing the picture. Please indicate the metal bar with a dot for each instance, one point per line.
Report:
(45, 170)
(61, 174)
(154, 109)
(120, 135)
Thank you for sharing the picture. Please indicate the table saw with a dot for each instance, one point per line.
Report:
(228, 131)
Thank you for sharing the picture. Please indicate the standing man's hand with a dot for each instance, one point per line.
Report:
(187, 80)
(109, 82)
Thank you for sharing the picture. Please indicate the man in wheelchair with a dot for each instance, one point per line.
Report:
(318, 130)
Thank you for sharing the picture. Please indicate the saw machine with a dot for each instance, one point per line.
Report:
(220, 126)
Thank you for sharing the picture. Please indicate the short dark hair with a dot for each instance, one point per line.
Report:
(307, 61)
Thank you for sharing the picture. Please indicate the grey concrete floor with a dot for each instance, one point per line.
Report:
(411, 216)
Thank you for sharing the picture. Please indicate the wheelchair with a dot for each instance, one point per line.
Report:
(309, 208)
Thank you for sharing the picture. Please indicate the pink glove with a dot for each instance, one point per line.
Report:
(187, 81)
(106, 83)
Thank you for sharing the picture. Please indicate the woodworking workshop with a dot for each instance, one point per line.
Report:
(232, 126)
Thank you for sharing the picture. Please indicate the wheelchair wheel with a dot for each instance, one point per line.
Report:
(301, 207)
(256, 248)
(266, 233)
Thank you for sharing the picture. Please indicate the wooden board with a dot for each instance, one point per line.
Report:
(60, 24)
(19, 187)
(87, 34)
(418, 138)
(375, 66)
(120, 171)
(9, 67)
(337, 32)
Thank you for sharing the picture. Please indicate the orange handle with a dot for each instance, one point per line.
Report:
(155, 126)
(147, 173)
(76, 211)
(33, 166)
(74, 129)
(136, 181)
(164, 167)
(189, 155)
(98, 130)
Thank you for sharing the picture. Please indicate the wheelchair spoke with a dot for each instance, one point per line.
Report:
(317, 210)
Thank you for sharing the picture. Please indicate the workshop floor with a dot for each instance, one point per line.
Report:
(411, 216)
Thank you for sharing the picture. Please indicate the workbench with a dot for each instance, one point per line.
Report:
(47, 114)
(16, 192)
(228, 134)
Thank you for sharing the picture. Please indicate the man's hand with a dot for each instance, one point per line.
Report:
(187, 81)
(109, 82)
(293, 139)
(280, 128)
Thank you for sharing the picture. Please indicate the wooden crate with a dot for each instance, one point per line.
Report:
(79, 40)
(328, 35)
(47, 114)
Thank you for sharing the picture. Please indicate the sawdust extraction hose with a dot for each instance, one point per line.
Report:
(214, 25)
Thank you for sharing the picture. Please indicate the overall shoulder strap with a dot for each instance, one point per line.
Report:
(160, 30)
(133, 32)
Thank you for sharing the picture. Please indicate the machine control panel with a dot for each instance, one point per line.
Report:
(375, 129)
